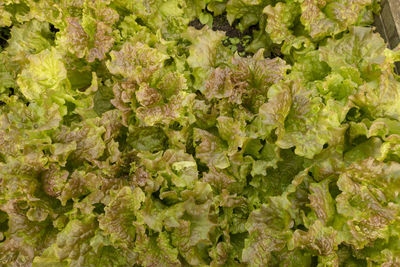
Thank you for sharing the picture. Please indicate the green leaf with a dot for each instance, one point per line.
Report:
(135, 61)
(28, 39)
(120, 216)
(327, 19)
(366, 215)
(247, 11)
(44, 76)
(310, 123)
(210, 150)
(207, 42)
(280, 22)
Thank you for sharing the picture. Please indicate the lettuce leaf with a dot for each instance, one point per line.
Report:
(129, 138)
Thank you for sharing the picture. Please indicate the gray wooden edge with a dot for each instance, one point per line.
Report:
(388, 24)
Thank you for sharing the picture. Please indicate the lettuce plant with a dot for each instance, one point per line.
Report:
(128, 138)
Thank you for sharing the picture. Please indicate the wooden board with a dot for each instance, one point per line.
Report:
(388, 24)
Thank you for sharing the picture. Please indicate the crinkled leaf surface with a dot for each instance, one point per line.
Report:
(129, 138)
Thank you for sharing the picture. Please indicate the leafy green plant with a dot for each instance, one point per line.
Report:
(128, 138)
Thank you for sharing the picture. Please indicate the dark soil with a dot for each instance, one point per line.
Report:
(220, 23)
(53, 29)
(196, 24)
(5, 34)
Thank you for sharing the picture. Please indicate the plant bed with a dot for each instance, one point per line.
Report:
(198, 133)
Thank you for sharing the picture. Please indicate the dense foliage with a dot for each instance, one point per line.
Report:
(128, 138)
